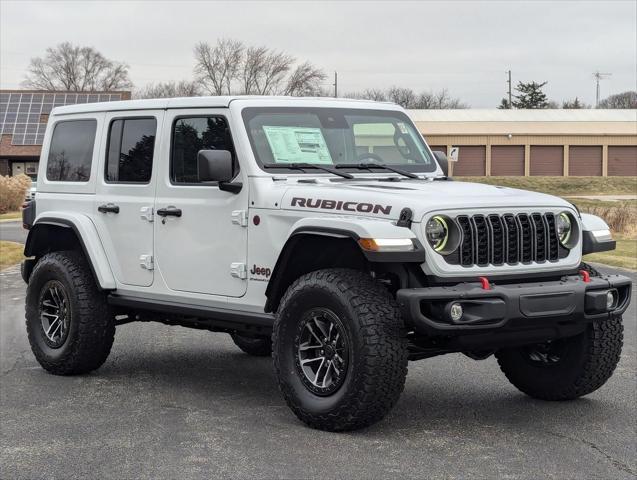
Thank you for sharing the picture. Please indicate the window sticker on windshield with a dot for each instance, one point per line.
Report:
(402, 128)
(297, 144)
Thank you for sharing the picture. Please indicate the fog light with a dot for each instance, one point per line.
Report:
(455, 312)
(611, 299)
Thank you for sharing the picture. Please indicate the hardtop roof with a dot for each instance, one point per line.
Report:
(208, 102)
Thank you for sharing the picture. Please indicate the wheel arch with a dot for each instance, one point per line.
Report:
(52, 233)
(313, 247)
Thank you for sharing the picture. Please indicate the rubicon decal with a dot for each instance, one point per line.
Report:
(325, 204)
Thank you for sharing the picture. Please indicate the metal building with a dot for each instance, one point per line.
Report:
(534, 142)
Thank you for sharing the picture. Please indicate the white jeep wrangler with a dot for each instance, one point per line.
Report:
(321, 231)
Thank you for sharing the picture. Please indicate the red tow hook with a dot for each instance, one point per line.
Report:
(484, 281)
(585, 276)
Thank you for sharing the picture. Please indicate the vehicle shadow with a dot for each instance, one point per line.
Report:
(448, 403)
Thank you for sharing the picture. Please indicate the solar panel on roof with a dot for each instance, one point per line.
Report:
(21, 114)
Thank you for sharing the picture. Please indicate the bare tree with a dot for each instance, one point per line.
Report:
(408, 98)
(217, 67)
(305, 80)
(621, 100)
(76, 69)
(231, 67)
(184, 88)
(374, 94)
(405, 97)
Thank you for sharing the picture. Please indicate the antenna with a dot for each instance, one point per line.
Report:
(599, 76)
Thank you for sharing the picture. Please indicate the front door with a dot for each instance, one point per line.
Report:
(125, 193)
(198, 247)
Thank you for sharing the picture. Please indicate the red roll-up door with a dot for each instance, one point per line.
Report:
(585, 161)
(547, 160)
(622, 161)
(507, 160)
(471, 161)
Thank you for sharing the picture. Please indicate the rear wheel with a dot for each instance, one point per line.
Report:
(256, 346)
(566, 368)
(339, 349)
(69, 323)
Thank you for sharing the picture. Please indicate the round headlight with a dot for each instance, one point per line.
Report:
(437, 232)
(564, 227)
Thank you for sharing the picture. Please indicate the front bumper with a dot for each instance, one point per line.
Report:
(560, 303)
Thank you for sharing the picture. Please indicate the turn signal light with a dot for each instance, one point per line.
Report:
(386, 244)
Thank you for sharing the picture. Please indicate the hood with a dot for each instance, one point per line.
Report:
(385, 199)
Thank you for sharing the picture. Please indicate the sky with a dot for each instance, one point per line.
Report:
(463, 46)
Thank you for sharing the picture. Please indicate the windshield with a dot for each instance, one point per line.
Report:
(335, 136)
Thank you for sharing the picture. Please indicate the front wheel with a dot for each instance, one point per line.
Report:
(339, 349)
(566, 368)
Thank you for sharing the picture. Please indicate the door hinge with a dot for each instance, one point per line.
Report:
(239, 270)
(146, 213)
(240, 217)
(146, 262)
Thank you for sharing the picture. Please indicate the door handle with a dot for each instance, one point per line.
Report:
(169, 212)
(108, 208)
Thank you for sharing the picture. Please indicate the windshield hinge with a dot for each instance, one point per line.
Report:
(240, 217)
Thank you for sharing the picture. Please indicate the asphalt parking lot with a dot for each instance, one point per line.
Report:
(12, 231)
(177, 403)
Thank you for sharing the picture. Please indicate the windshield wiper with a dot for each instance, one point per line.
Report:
(303, 166)
(369, 166)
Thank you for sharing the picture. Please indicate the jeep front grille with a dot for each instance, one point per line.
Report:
(499, 239)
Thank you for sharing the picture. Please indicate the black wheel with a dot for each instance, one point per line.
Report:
(339, 349)
(256, 346)
(69, 323)
(566, 368)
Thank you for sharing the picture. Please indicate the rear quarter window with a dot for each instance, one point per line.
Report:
(71, 151)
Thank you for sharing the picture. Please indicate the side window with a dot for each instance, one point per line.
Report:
(191, 135)
(71, 151)
(131, 142)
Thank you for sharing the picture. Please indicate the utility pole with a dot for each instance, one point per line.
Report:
(510, 96)
(599, 76)
(335, 84)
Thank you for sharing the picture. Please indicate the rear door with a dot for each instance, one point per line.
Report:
(125, 193)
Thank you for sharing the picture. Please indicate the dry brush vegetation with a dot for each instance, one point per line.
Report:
(12, 192)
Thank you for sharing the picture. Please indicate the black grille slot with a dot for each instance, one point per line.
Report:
(498, 239)
(513, 239)
(541, 238)
(466, 246)
(553, 242)
(481, 240)
(526, 238)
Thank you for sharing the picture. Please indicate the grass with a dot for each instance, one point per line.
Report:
(564, 186)
(621, 216)
(11, 215)
(625, 255)
(10, 253)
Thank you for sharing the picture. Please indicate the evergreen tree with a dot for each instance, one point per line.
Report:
(530, 95)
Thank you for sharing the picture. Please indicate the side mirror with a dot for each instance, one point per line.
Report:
(214, 166)
(441, 158)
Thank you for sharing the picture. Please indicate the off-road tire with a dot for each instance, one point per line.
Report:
(255, 346)
(377, 349)
(588, 362)
(91, 323)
